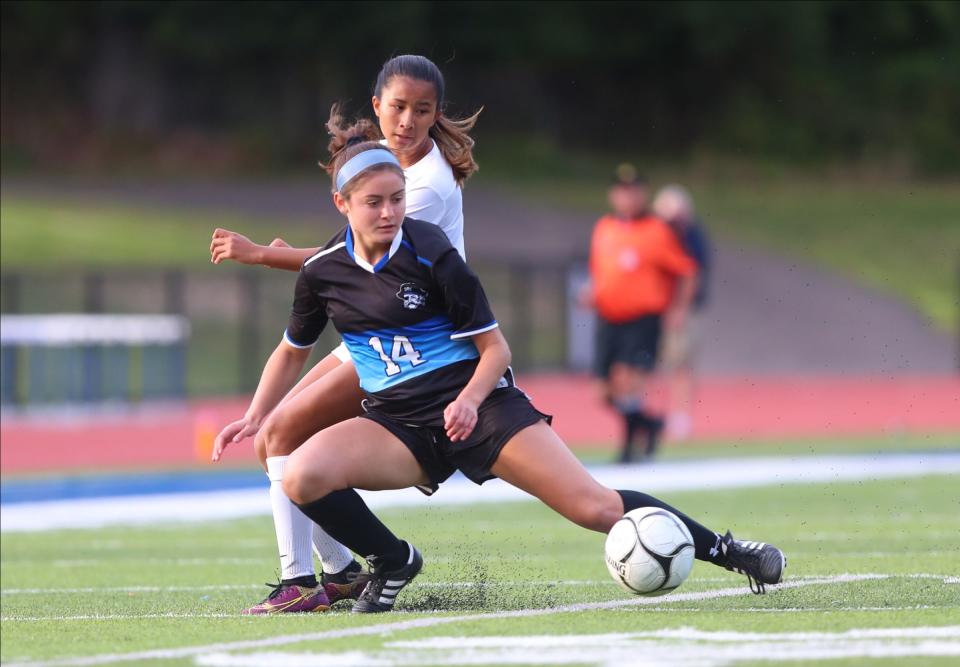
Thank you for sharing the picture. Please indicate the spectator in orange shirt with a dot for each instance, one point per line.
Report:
(641, 281)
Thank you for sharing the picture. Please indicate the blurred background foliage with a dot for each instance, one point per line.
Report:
(208, 86)
(826, 132)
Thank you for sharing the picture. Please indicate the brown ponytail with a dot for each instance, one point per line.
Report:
(347, 142)
(455, 143)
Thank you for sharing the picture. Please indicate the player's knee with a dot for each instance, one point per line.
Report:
(597, 511)
(304, 484)
(278, 439)
(260, 447)
(298, 485)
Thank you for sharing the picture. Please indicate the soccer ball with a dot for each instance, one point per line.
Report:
(649, 551)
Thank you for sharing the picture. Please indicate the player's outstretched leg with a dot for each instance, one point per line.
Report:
(537, 461)
(761, 563)
(381, 592)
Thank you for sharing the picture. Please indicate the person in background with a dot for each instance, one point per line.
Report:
(641, 280)
(674, 206)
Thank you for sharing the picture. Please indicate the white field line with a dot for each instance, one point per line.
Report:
(611, 650)
(656, 610)
(707, 475)
(428, 622)
(506, 583)
(779, 610)
(180, 562)
(937, 632)
(663, 653)
(113, 617)
(681, 647)
(443, 560)
(236, 587)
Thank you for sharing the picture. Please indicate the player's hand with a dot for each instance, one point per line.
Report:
(459, 418)
(279, 243)
(233, 432)
(230, 245)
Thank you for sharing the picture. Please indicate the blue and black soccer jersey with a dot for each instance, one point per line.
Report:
(407, 321)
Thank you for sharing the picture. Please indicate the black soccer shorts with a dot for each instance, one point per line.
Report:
(502, 415)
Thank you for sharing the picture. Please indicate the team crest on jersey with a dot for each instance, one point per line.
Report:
(412, 296)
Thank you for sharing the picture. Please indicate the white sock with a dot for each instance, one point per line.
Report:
(292, 525)
(333, 555)
(296, 532)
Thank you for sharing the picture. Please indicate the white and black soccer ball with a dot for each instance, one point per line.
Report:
(649, 551)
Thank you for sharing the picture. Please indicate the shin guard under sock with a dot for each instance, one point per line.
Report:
(706, 542)
(347, 519)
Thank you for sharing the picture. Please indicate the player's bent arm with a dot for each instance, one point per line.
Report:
(324, 366)
(287, 258)
(461, 415)
(227, 244)
(279, 375)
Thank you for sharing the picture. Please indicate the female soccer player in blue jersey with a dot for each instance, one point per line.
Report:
(439, 396)
(436, 155)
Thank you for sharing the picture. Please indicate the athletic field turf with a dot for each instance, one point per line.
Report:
(874, 570)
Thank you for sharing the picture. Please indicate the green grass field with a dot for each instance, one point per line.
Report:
(873, 570)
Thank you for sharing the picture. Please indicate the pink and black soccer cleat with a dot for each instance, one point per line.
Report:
(291, 598)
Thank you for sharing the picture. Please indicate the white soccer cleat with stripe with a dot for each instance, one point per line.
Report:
(762, 563)
(381, 592)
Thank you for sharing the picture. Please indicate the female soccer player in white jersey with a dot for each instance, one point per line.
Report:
(435, 153)
(439, 396)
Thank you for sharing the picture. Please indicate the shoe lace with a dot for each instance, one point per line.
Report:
(375, 582)
(746, 562)
(278, 588)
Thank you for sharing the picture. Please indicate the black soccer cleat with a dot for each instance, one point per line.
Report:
(762, 563)
(381, 591)
(347, 584)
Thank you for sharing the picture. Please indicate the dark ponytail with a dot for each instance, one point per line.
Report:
(451, 135)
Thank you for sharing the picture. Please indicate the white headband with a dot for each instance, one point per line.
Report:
(363, 161)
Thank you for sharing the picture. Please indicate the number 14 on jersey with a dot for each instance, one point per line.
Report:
(402, 350)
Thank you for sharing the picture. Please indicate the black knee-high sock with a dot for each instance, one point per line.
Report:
(705, 541)
(347, 519)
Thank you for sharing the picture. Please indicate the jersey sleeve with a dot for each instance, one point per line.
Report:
(466, 302)
(308, 317)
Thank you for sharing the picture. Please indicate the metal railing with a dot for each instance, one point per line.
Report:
(237, 316)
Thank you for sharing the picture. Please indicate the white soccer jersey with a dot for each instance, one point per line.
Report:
(434, 196)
